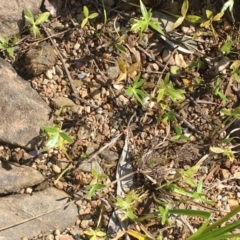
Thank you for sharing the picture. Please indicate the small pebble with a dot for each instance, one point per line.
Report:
(84, 223)
(29, 190)
(76, 46)
(49, 74)
(42, 167)
(57, 232)
(56, 168)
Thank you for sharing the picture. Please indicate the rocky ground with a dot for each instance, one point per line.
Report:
(173, 143)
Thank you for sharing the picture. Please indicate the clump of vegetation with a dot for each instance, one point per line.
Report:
(43, 17)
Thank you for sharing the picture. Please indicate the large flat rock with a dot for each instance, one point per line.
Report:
(22, 111)
(29, 215)
(14, 177)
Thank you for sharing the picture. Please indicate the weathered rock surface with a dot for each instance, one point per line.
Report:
(14, 177)
(11, 15)
(28, 216)
(22, 111)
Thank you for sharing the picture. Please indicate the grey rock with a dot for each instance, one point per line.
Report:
(28, 216)
(14, 177)
(88, 166)
(22, 111)
(113, 72)
(109, 155)
(63, 102)
(11, 15)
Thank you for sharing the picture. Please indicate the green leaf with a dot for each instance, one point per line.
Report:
(14, 40)
(156, 26)
(49, 129)
(42, 18)
(176, 95)
(218, 16)
(3, 40)
(35, 31)
(29, 16)
(93, 15)
(120, 48)
(137, 84)
(144, 11)
(226, 48)
(64, 136)
(216, 150)
(52, 141)
(194, 19)
(209, 14)
(175, 138)
(160, 94)
(174, 69)
(184, 8)
(10, 52)
(84, 22)
(85, 11)
(178, 22)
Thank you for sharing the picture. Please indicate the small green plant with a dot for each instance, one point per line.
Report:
(167, 91)
(43, 17)
(227, 46)
(95, 186)
(87, 17)
(7, 44)
(135, 90)
(56, 138)
(208, 24)
(128, 204)
(95, 234)
(169, 116)
(142, 24)
(217, 91)
(179, 135)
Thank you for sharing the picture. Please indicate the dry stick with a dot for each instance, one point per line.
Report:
(67, 72)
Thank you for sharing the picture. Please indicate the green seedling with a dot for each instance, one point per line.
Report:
(56, 138)
(7, 44)
(227, 151)
(179, 135)
(217, 91)
(169, 116)
(142, 24)
(167, 91)
(232, 113)
(95, 234)
(208, 24)
(43, 17)
(227, 46)
(163, 212)
(87, 16)
(128, 204)
(95, 184)
(135, 90)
